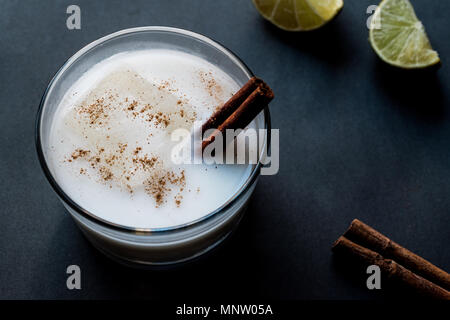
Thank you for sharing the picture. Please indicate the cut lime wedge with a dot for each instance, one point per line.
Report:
(298, 15)
(399, 38)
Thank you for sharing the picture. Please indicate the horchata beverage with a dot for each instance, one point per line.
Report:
(111, 139)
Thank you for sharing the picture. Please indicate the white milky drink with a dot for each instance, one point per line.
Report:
(110, 139)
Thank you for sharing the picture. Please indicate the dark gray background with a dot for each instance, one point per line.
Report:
(358, 140)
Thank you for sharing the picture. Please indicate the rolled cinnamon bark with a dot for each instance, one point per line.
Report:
(231, 105)
(243, 114)
(391, 268)
(364, 235)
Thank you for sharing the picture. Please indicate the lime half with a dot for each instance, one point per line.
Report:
(298, 15)
(399, 38)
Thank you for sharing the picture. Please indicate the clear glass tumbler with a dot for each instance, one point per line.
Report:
(161, 246)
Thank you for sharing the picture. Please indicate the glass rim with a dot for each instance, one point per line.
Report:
(118, 227)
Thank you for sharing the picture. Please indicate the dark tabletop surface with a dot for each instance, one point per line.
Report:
(358, 140)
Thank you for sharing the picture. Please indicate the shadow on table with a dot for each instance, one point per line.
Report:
(330, 44)
(417, 93)
(232, 265)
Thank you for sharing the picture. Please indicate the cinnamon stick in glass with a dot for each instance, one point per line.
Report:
(231, 105)
(239, 110)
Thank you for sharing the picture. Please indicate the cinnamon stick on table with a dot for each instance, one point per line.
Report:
(361, 233)
(372, 247)
(392, 269)
(239, 110)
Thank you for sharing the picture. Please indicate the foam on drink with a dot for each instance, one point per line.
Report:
(111, 139)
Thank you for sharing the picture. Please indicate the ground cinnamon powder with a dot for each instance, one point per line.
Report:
(121, 164)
